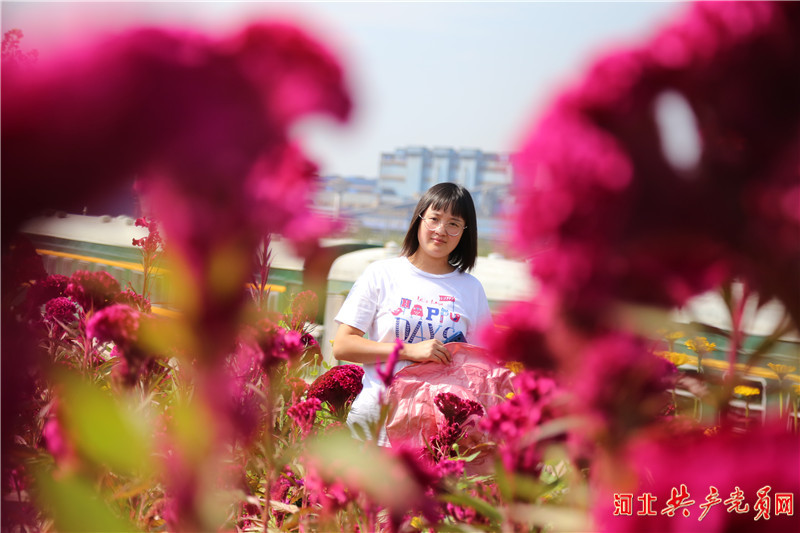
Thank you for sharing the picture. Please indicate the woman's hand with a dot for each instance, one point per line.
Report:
(421, 352)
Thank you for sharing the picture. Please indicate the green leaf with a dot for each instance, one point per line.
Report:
(103, 430)
(76, 506)
(481, 506)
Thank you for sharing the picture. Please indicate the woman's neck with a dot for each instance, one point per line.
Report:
(429, 264)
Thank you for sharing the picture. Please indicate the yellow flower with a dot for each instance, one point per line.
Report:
(673, 335)
(509, 395)
(746, 391)
(781, 370)
(710, 432)
(416, 522)
(515, 366)
(676, 358)
(700, 345)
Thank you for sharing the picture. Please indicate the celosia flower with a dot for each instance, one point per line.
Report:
(151, 244)
(304, 309)
(296, 388)
(60, 311)
(620, 386)
(457, 410)
(603, 209)
(279, 345)
(57, 443)
(514, 423)
(45, 290)
(338, 387)
(117, 323)
(93, 290)
(303, 413)
(386, 371)
(204, 122)
(131, 299)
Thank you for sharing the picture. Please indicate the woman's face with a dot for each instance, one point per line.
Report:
(434, 233)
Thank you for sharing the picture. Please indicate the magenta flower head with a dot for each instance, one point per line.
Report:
(204, 122)
(303, 413)
(620, 386)
(304, 309)
(339, 386)
(137, 301)
(45, 290)
(117, 323)
(618, 215)
(93, 290)
(457, 410)
(59, 311)
(386, 372)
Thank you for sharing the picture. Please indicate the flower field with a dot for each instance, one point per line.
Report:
(222, 416)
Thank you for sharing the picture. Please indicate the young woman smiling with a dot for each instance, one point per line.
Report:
(422, 298)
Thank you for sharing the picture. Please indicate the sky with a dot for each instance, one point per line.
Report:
(452, 74)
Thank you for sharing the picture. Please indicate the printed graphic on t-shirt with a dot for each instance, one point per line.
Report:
(418, 319)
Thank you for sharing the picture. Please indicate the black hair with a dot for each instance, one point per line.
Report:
(457, 200)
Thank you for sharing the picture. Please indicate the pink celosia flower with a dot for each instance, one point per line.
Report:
(514, 423)
(338, 387)
(92, 290)
(279, 345)
(117, 323)
(303, 413)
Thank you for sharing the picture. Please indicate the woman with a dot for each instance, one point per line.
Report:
(423, 297)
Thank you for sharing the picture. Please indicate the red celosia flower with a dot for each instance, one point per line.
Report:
(117, 323)
(151, 244)
(615, 218)
(92, 290)
(456, 410)
(45, 290)
(303, 413)
(296, 387)
(278, 345)
(620, 387)
(137, 301)
(59, 311)
(338, 387)
(304, 309)
(203, 122)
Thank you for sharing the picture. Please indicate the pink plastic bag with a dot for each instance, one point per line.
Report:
(414, 418)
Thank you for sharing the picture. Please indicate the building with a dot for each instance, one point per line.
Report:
(408, 172)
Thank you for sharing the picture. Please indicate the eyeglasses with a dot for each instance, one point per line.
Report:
(453, 229)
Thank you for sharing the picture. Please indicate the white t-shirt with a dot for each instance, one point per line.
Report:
(394, 299)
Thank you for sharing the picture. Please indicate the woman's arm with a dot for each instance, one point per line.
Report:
(349, 344)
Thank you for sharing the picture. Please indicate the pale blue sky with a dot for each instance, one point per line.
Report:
(461, 74)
